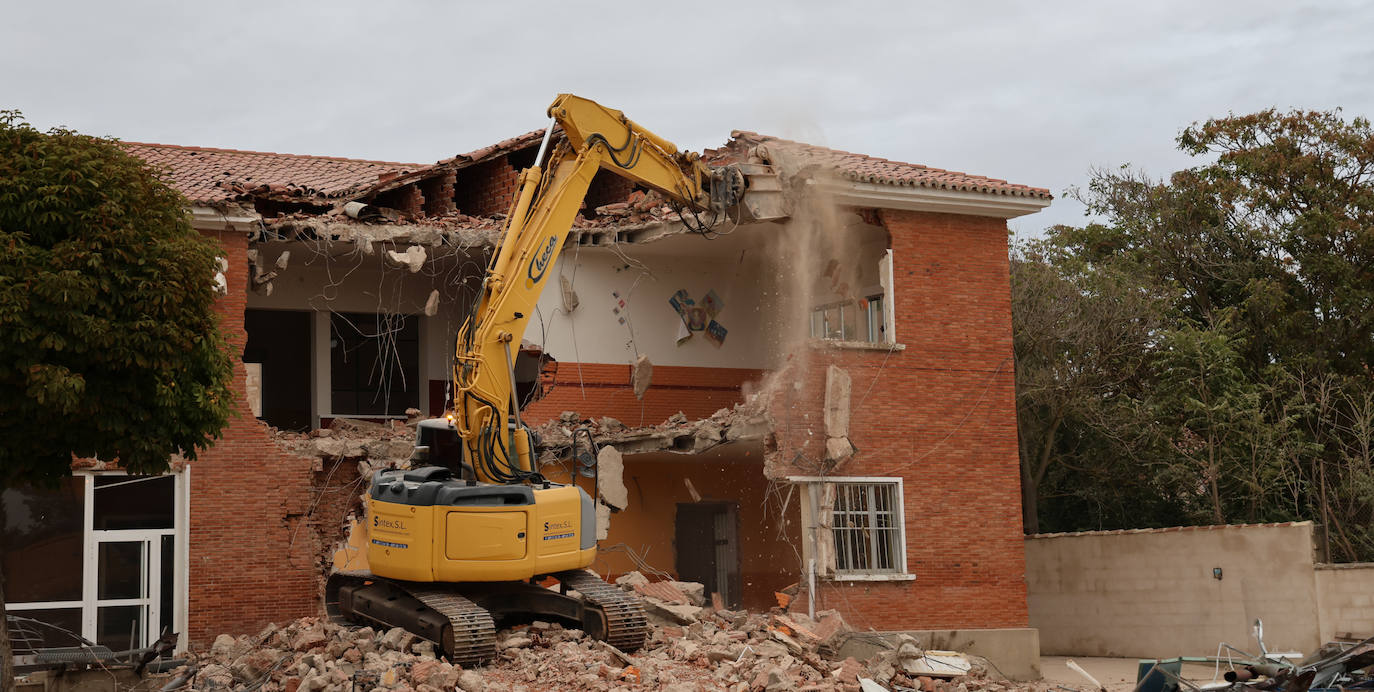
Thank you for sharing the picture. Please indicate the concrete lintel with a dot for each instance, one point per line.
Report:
(928, 199)
(233, 218)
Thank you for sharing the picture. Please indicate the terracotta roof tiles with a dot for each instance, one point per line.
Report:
(871, 169)
(207, 175)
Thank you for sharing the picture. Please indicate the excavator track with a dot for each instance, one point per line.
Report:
(626, 624)
(461, 618)
(470, 638)
(465, 631)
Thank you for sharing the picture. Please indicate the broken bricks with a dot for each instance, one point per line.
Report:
(719, 650)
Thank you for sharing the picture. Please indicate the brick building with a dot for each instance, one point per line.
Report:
(830, 400)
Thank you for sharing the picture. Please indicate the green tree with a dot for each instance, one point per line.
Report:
(1255, 401)
(1081, 332)
(108, 336)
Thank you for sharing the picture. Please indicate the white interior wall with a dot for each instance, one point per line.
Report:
(646, 276)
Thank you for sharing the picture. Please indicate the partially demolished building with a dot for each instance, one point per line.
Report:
(821, 407)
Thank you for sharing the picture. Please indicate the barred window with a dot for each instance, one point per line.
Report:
(867, 531)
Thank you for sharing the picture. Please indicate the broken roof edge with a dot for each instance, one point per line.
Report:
(861, 180)
(491, 151)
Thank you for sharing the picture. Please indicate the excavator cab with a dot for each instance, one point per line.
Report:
(437, 444)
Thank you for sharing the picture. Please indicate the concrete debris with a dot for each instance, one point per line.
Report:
(691, 649)
(837, 391)
(610, 478)
(413, 259)
(838, 386)
(453, 231)
(838, 449)
(744, 423)
(570, 302)
(432, 303)
(373, 445)
(641, 374)
(603, 521)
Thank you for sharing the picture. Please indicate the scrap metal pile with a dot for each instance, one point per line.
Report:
(1337, 665)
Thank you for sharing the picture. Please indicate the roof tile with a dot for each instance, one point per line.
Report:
(871, 169)
(208, 175)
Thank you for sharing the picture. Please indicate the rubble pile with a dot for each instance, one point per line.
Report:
(693, 645)
(743, 422)
(373, 445)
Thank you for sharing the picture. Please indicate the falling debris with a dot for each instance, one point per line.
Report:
(641, 374)
(569, 295)
(412, 259)
(610, 481)
(432, 303)
(838, 448)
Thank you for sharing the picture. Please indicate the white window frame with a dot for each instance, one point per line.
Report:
(814, 545)
(886, 290)
(90, 551)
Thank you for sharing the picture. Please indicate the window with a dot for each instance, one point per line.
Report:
(855, 527)
(100, 557)
(851, 321)
(865, 527)
(374, 364)
(834, 321)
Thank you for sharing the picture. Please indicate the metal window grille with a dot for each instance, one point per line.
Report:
(867, 529)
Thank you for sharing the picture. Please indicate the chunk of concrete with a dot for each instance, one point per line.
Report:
(412, 259)
(680, 614)
(837, 391)
(610, 478)
(838, 449)
(603, 521)
(432, 303)
(641, 375)
(570, 302)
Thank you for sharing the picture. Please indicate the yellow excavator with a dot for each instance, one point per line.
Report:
(472, 534)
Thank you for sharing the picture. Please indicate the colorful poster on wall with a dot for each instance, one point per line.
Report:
(713, 303)
(715, 333)
(697, 318)
(680, 302)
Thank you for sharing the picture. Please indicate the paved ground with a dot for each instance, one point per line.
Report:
(1116, 674)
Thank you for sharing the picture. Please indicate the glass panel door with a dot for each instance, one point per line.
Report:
(128, 586)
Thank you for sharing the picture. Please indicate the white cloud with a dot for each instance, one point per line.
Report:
(1036, 93)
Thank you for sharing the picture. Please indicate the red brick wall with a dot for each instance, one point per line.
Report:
(486, 188)
(604, 390)
(252, 552)
(940, 414)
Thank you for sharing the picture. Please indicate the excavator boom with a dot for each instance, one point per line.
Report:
(461, 541)
(548, 199)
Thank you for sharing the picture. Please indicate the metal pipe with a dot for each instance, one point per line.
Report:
(514, 395)
(544, 145)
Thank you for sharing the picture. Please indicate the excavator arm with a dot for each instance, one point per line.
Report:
(485, 411)
(447, 558)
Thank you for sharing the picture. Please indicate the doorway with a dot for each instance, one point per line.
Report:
(707, 547)
(279, 342)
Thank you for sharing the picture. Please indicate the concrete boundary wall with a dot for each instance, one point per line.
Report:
(1345, 595)
(1156, 593)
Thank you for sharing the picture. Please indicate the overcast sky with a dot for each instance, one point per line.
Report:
(1033, 92)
